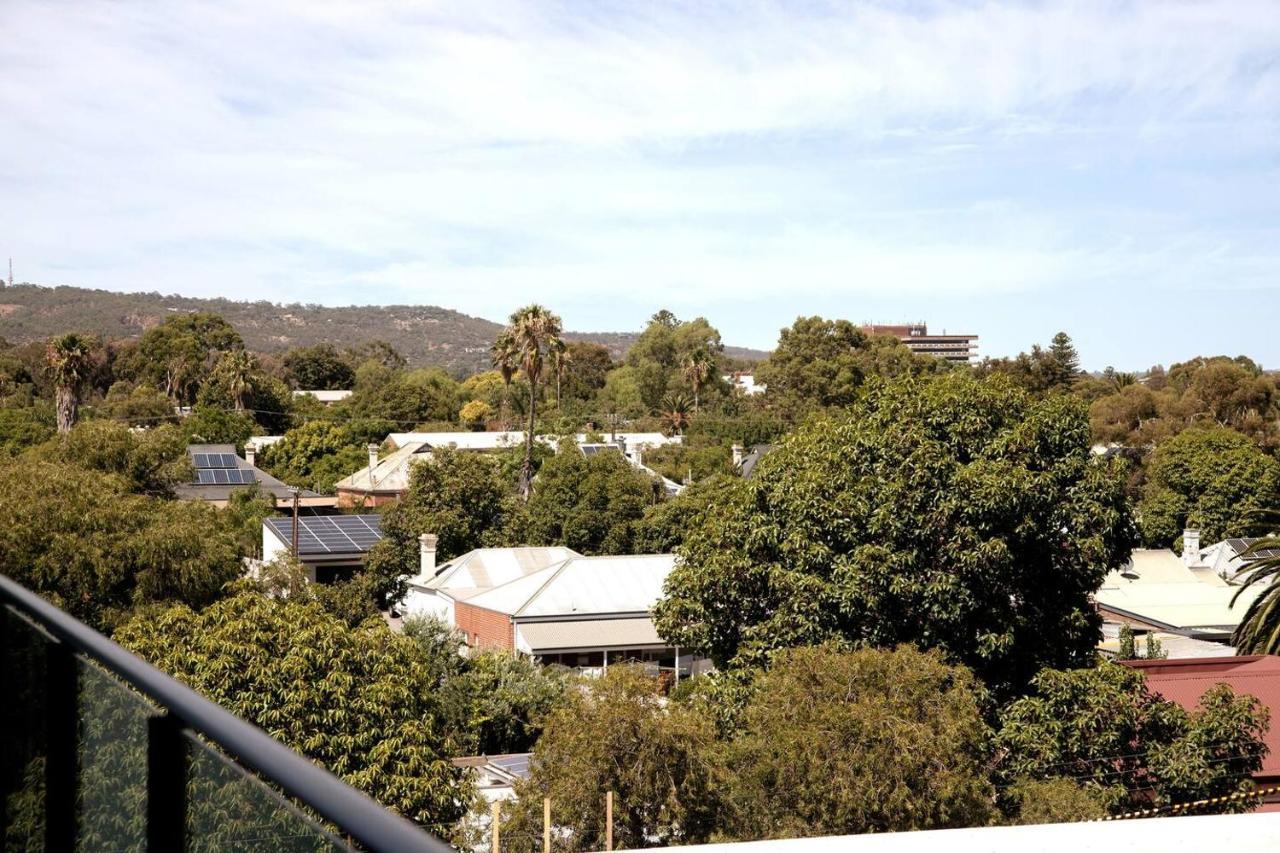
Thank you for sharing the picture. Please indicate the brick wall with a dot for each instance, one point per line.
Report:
(484, 629)
(355, 499)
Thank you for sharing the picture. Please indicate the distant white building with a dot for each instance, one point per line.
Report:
(744, 382)
(326, 397)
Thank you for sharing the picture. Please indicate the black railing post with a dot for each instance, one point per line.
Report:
(62, 760)
(8, 748)
(166, 784)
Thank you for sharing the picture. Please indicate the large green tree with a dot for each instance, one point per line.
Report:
(315, 455)
(954, 513)
(177, 355)
(1211, 478)
(620, 735)
(352, 699)
(81, 539)
(840, 743)
(1103, 729)
(318, 368)
(1259, 630)
(70, 359)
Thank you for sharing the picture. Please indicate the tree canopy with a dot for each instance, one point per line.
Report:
(954, 513)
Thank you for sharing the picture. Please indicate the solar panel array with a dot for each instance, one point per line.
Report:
(1241, 545)
(215, 460)
(330, 534)
(225, 476)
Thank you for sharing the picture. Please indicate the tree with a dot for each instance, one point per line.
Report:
(1212, 478)
(1056, 800)
(315, 455)
(1102, 728)
(82, 540)
(1258, 632)
(150, 462)
(318, 368)
(418, 397)
(619, 735)
(588, 503)
(353, 700)
(588, 364)
(237, 370)
(953, 513)
(526, 345)
(1065, 361)
(476, 414)
(70, 359)
(500, 701)
(675, 414)
(177, 355)
(837, 743)
(458, 496)
(664, 526)
(697, 369)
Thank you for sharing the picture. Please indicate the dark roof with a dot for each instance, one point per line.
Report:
(1240, 545)
(220, 472)
(329, 535)
(752, 459)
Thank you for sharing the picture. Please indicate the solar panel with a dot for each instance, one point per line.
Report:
(225, 477)
(215, 460)
(331, 534)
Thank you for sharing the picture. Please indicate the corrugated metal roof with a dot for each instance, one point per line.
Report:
(484, 568)
(391, 474)
(589, 634)
(1164, 589)
(623, 584)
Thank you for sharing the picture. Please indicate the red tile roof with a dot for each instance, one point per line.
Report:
(1185, 680)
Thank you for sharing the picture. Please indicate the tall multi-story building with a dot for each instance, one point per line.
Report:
(961, 348)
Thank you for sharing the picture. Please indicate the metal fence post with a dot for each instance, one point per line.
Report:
(62, 760)
(166, 784)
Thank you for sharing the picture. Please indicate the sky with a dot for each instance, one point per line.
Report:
(1005, 169)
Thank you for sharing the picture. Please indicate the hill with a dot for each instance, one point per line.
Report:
(425, 334)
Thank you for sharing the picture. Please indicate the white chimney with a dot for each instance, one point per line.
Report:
(250, 452)
(427, 556)
(373, 460)
(1191, 547)
(738, 452)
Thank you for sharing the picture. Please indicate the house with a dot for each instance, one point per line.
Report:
(1185, 681)
(326, 397)
(382, 480)
(495, 776)
(1229, 557)
(219, 472)
(435, 590)
(1157, 591)
(746, 461)
(744, 382)
(583, 612)
(330, 547)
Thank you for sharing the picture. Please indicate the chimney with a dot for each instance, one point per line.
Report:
(427, 556)
(738, 454)
(1191, 547)
(373, 460)
(250, 452)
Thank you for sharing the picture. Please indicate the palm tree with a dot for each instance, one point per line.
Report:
(1259, 631)
(525, 345)
(70, 358)
(697, 368)
(675, 413)
(560, 359)
(236, 369)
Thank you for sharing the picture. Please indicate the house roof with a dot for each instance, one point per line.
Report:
(323, 395)
(485, 568)
(583, 585)
(328, 535)
(1185, 681)
(1160, 588)
(222, 491)
(391, 474)
(752, 459)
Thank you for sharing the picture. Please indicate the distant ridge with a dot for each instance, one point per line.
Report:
(425, 334)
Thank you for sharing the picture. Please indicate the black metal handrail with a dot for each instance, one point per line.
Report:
(359, 817)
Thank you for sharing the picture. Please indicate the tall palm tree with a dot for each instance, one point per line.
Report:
(70, 359)
(697, 369)
(525, 345)
(560, 359)
(1259, 630)
(236, 369)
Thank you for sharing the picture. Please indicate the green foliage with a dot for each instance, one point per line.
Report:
(953, 513)
(80, 539)
(177, 355)
(352, 699)
(1212, 478)
(214, 425)
(528, 345)
(588, 503)
(245, 511)
(1054, 800)
(428, 394)
(837, 743)
(1259, 630)
(460, 497)
(140, 405)
(1128, 649)
(617, 734)
(500, 702)
(589, 364)
(663, 526)
(318, 368)
(314, 456)
(1105, 730)
(25, 427)
(150, 462)
(71, 360)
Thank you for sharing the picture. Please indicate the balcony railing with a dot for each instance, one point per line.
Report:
(102, 751)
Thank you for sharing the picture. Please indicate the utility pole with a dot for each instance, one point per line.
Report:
(11, 272)
(294, 490)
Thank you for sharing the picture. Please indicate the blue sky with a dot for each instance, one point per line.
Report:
(1111, 169)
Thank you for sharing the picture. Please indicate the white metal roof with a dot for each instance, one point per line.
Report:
(584, 585)
(324, 396)
(391, 474)
(1168, 591)
(484, 568)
